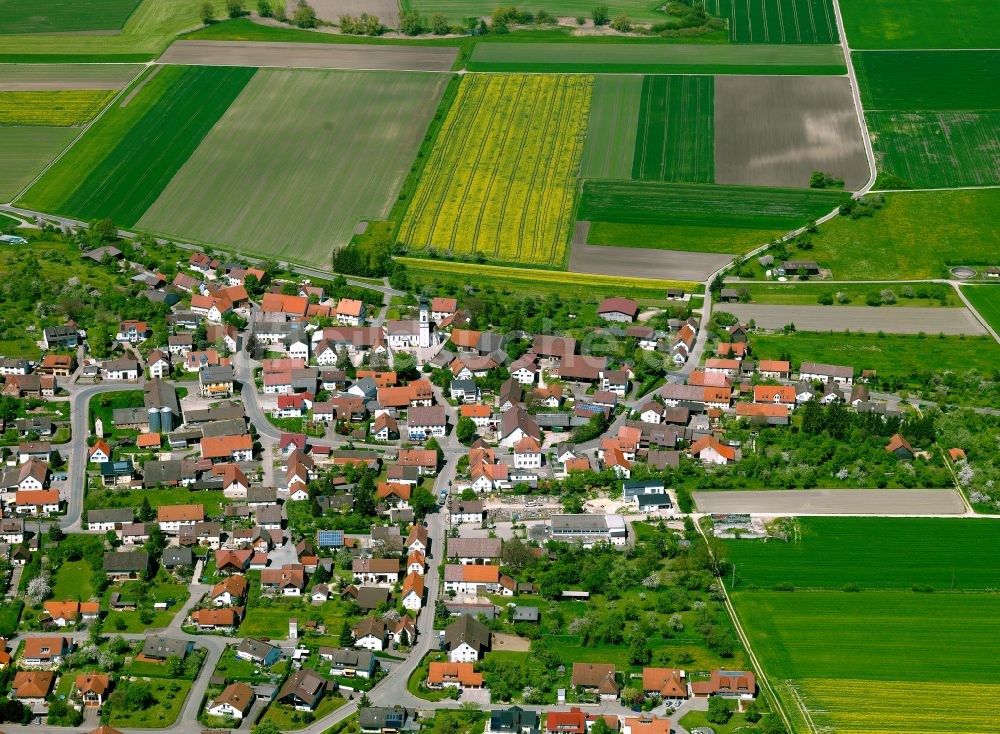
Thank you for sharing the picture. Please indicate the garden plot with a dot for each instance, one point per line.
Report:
(775, 131)
(310, 55)
(902, 320)
(298, 160)
(331, 10)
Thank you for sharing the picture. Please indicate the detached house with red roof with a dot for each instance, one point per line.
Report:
(738, 684)
(710, 450)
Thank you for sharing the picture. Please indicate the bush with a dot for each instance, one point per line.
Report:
(783, 586)
(600, 15)
(719, 711)
(622, 23)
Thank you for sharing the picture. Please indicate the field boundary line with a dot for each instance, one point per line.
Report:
(83, 130)
(942, 188)
(858, 106)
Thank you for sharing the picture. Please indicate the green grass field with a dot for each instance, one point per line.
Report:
(936, 149)
(742, 207)
(675, 136)
(500, 181)
(891, 355)
(864, 662)
(254, 185)
(929, 80)
(63, 108)
(25, 151)
(614, 118)
(908, 24)
(914, 236)
(61, 16)
(148, 30)
(776, 21)
(72, 581)
(644, 58)
(126, 159)
(793, 293)
(689, 239)
(874, 553)
(986, 300)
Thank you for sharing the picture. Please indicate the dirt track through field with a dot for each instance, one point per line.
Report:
(834, 502)
(637, 262)
(870, 319)
(777, 130)
(331, 10)
(309, 56)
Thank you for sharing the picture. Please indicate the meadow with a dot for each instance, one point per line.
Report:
(25, 151)
(913, 236)
(59, 16)
(524, 280)
(742, 207)
(42, 77)
(121, 165)
(64, 108)
(892, 355)
(906, 24)
(807, 293)
(500, 180)
(874, 553)
(929, 80)
(645, 58)
(986, 300)
(675, 131)
(614, 118)
(776, 21)
(296, 162)
(733, 240)
(936, 149)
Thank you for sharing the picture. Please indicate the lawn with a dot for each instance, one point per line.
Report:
(891, 355)
(64, 108)
(670, 237)
(72, 581)
(807, 294)
(862, 661)
(913, 236)
(929, 80)
(908, 24)
(148, 30)
(263, 181)
(25, 151)
(676, 128)
(986, 301)
(523, 280)
(501, 178)
(211, 499)
(741, 207)
(169, 695)
(935, 149)
(874, 553)
(132, 172)
(234, 668)
(614, 118)
(287, 718)
(61, 16)
(610, 58)
(777, 21)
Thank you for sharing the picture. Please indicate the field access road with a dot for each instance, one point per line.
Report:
(840, 502)
(310, 56)
(870, 319)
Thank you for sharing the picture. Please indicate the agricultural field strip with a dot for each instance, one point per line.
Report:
(456, 206)
(634, 262)
(906, 25)
(870, 319)
(925, 81)
(273, 196)
(310, 56)
(65, 108)
(676, 128)
(986, 300)
(56, 16)
(25, 151)
(878, 502)
(51, 77)
(776, 21)
(614, 118)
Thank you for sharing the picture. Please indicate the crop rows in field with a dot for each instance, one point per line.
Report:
(133, 157)
(24, 152)
(643, 202)
(500, 178)
(298, 160)
(986, 300)
(776, 21)
(928, 80)
(675, 134)
(59, 16)
(57, 108)
(614, 118)
(900, 707)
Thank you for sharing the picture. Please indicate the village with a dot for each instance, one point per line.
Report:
(318, 508)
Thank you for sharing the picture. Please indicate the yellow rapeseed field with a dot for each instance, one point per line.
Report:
(63, 108)
(898, 707)
(501, 177)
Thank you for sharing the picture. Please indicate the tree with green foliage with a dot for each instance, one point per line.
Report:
(410, 23)
(422, 502)
(364, 494)
(346, 636)
(600, 15)
(55, 533)
(146, 512)
(719, 711)
(515, 555)
(465, 431)
(440, 25)
(304, 16)
(235, 8)
(264, 10)
(207, 13)
(622, 23)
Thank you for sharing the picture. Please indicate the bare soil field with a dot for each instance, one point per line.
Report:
(870, 319)
(777, 130)
(636, 262)
(309, 56)
(54, 77)
(331, 10)
(834, 502)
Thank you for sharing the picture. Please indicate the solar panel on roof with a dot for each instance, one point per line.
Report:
(330, 538)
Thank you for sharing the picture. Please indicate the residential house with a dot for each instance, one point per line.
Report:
(126, 564)
(235, 701)
(453, 675)
(92, 688)
(597, 678)
(467, 578)
(349, 663)
(738, 684)
(466, 640)
(370, 633)
(377, 571)
(303, 690)
(618, 309)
